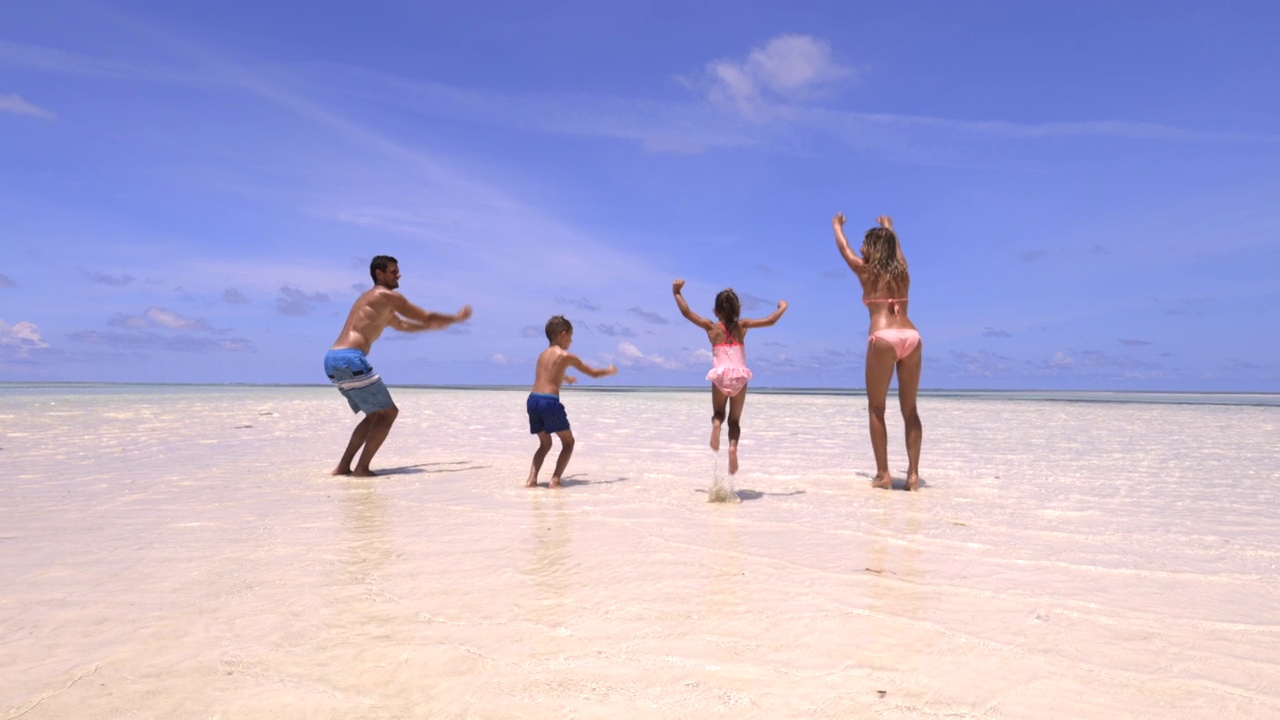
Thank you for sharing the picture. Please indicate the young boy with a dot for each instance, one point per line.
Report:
(546, 414)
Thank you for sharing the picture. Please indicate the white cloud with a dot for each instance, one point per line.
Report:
(630, 356)
(500, 359)
(787, 68)
(16, 105)
(23, 336)
(161, 318)
(169, 319)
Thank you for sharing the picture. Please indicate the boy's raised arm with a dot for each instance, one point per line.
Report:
(576, 363)
(690, 315)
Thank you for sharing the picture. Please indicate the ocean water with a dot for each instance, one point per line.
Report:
(183, 552)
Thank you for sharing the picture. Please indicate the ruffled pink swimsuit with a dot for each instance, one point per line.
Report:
(729, 370)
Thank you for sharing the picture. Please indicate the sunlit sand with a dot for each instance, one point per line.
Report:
(184, 552)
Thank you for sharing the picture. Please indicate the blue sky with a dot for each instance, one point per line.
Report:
(1086, 191)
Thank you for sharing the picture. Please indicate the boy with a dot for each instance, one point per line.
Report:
(546, 414)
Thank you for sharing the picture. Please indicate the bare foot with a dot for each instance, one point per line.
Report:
(555, 483)
(715, 435)
(913, 483)
(883, 482)
(733, 458)
(533, 482)
(366, 472)
(341, 471)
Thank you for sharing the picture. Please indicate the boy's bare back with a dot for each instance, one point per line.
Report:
(552, 364)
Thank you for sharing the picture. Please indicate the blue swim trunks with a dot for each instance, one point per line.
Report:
(354, 377)
(546, 414)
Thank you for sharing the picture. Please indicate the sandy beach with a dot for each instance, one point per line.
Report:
(183, 552)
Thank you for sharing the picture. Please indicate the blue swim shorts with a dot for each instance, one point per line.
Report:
(354, 377)
(546, 414)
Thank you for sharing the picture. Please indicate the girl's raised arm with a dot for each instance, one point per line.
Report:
(690, 315)
(747, 324)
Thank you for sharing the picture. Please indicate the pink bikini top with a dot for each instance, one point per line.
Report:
(729, 339)
(893, 302)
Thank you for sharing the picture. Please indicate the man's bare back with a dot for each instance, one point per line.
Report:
(369, 316)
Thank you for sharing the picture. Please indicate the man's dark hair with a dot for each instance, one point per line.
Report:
(380, 263)
(557, 325)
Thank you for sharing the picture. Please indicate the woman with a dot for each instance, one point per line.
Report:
(893, 344)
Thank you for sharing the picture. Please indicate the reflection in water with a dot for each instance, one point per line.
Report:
(893, 561)
(724, 601)
(365, 510)
(549, 562)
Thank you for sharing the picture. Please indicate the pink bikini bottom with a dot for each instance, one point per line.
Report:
(903, 340)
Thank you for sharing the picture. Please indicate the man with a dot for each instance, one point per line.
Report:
(347, 366)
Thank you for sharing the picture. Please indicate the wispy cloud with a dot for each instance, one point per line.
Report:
(613, 330)
(7, 282)
(1065, 359)
(18, 339)
(295, 302)
(1030, 256)
(107, 279)
(580, 303)
(157, 317)
(995, 333)
(631, 356)
(648, 316)
(16, 105)
(982, 363)
(233, 296)
(1134, 343)
(162, 341)
(786, 69)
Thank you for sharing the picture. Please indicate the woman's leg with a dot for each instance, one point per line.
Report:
(880, 362)
(908, 389)
(735, 430)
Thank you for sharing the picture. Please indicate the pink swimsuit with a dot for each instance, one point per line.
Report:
(729, 370)
(903, 340)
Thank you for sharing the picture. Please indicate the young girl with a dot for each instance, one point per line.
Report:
(729, 373)
(893, 344)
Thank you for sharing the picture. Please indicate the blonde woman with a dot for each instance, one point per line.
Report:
(893, 344)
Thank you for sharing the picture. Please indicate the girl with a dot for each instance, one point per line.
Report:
(894, 342)
(729, 373)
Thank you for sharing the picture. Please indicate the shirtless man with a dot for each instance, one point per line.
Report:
(348, 368)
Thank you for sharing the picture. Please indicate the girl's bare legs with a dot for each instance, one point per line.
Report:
(544, 447)
(880, 363)
(736, 404)
(908, 389)
(718, 401)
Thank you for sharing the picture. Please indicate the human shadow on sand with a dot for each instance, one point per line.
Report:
(899, 483)
(435, 467)
(575, 480)
(748, 494)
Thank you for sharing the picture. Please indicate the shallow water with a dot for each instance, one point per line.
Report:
(183, 552)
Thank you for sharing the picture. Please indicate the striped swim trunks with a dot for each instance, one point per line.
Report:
(351, 373)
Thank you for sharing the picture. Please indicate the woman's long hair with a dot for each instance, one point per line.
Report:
(728, 308)
(884, 266)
